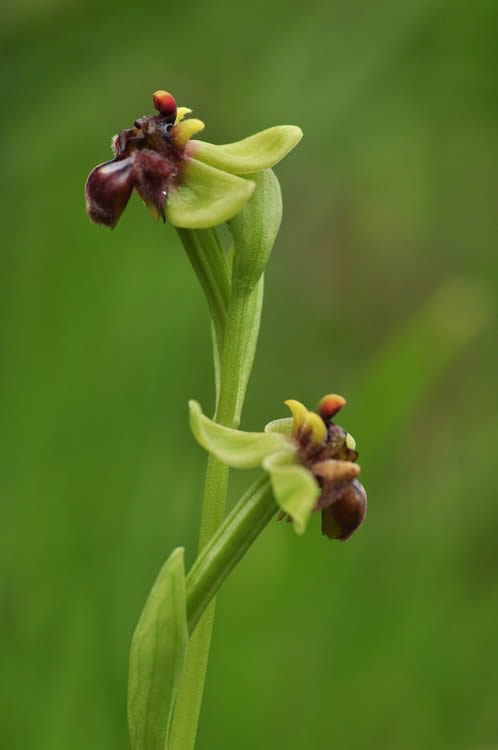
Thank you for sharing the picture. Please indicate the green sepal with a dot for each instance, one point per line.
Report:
(157, 657)
(284, 426)
(242, 450)
(206, 197)
(294, 488)
(253, 154)
(254, 230)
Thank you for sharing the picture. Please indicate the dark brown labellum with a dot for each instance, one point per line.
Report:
(346, 513)
(108, 189)
(145, 159)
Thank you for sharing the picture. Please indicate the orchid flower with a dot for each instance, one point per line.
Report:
(310, 460)
(193, 184)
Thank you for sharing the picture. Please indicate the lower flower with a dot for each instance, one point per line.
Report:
(311, 462)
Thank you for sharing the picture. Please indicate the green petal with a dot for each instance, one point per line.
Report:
(243, 450)
(260, 151)
(206, 197)
(295, 490)
(284, 426)
(157, 657)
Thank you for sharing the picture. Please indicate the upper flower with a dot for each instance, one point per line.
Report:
(311, 462)
(192, 183)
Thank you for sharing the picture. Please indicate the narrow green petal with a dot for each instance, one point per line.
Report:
(243, 450)
(206, 197)
(253, 154)
(183, 131)
(294, 487)
(157, 657)
(284, 426)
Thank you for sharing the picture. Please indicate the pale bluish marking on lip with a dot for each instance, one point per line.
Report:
(115, 166)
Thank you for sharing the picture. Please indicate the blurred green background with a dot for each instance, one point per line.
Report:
(381, 288)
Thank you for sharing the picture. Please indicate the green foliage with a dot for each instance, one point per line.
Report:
(157, 657)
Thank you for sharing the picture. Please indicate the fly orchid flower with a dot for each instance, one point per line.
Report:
(310, 460)
(194, 184)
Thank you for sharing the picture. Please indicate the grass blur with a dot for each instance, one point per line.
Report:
(381, 288)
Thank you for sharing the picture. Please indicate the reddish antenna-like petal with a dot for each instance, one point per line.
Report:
(165, 103)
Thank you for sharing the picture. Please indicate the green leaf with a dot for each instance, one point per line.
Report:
(294, 487)
(243, 450)
(253, 154)
(206, 197)
(284, 426)
(157, 657)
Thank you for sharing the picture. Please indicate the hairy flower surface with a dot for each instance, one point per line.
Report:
(193, 184)
(311, 462)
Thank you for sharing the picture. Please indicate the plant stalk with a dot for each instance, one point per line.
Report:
(228, 545)
(208, 261)
(238, 331)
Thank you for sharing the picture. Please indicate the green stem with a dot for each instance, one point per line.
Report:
(213, 564)
(241, 327)
(188, 703)
(241, 334)
(228, 545)
(208, 261)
